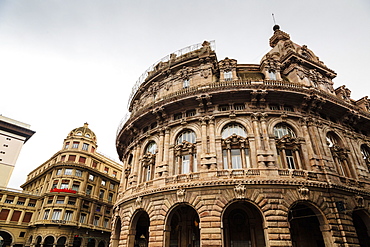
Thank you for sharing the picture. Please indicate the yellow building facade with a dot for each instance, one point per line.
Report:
(66, 201)
(218, 153)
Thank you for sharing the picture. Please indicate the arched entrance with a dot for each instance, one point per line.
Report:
(91, 242)
(7, 238)
(361, 221)
(302, 217)
(243, 226)
(182, 228)
(101, 244)
(77, 241)
(61, 242)
(116, 232)
(139, 231)
(38, 241)
(49, 241)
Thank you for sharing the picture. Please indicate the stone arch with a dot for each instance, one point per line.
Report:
(293, 124)
(242, 224)
(77, 242)
(178, 129)
(61, 242)
(116, 231)
(8, 238)
(38, 241)
(139, 229)
(182, 226)
(225, 121)
(361, 222)
(49, 241)
(305, 215)
(147, 141)
(101, 243)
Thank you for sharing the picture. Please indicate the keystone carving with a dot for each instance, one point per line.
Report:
(240, 191)
(180, 195)
(303, 192)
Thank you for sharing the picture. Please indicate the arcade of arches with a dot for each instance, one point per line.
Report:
(238, 223)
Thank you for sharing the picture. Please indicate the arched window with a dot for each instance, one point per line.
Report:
(235, 148)
(148, 161)
(339, 153)
(288, 147)
(185, 152)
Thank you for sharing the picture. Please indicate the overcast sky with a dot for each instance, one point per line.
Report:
(67, 62)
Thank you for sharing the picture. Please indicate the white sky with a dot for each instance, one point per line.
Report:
(66, 62)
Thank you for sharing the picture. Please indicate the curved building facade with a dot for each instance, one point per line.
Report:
(218, 153)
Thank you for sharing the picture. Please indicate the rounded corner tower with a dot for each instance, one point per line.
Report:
(218, 153)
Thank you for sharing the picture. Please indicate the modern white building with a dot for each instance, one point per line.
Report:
(13, 134)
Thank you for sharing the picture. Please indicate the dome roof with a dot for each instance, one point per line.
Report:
(83, 132)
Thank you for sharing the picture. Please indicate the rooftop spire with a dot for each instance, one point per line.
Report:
(278, 35)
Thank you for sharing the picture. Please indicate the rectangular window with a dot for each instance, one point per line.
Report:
(63, 158)
(101, 194)
(96, 221)
(68, 215)
(56, 214)
(82, 218)
(272, 75)
(68, 171)
(89, 190)
(55, 184)
(46, 214)
(91, 177)
(76, 186)
(32, 203)
(224, 157)
(27, 217)
(4, 214)
(289, 159)
(103, 182)
(114, 174)
(75, 144)
(186, 83)
(59, 172)
(72, 201)
(82, 160)
(72, 158)
(111, 186)
(93, 149)
(98, 208)
(16, 215)
(85, 146)
(106, 169)
(228, 75)
(67, 145)
(65, 184)
(236, 160)
(110, 197)
(78, 173)
(185, 168)
(94, 164)
(60, 200)
(106, 221)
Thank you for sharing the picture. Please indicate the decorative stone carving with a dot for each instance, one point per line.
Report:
(139, 200)
(227, 64)
(303, 192)
(359, 201)
(240, 191)
(180, 195)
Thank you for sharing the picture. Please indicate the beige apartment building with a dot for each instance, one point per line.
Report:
(66, 201)
(221, 153)
(13, 134)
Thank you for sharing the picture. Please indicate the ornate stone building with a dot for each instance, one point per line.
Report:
(66, 201)
(218, 153)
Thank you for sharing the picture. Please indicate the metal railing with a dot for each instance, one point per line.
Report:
(167, 58)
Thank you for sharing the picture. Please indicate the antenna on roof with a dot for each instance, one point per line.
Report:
(273, 18)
